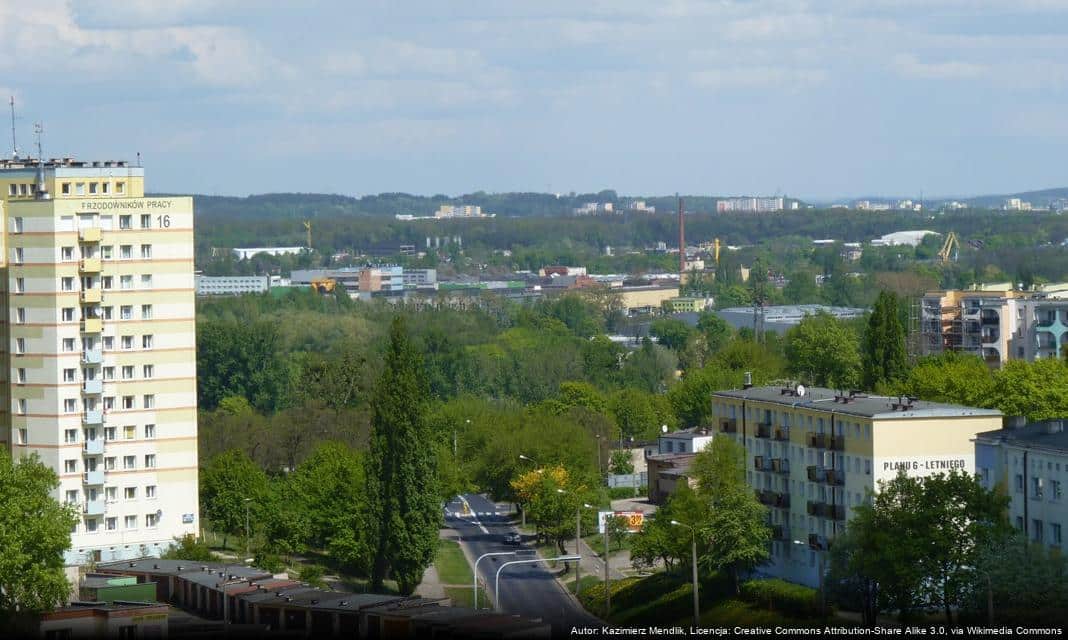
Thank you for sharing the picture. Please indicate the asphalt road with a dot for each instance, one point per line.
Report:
(526, 589)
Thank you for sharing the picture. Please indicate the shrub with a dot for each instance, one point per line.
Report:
(785, 597)
(616, 493)
(313, 575)
(188, 547)
(268, 562)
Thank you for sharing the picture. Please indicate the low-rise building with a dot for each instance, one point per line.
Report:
(1029, 462)
(103, 620)
(247, 252)
(688, 304)
(814, 455)
(231, 285)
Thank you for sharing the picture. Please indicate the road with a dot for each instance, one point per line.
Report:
(529, 590)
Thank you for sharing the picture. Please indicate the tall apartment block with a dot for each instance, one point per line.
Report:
(98, 373)
(813, 458)
(996, 322)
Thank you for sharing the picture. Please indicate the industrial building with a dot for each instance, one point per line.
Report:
(99, 372)
(231, 285)
(812, 456)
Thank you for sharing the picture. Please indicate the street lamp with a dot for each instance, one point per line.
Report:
(485, 555)
(598, 436)
(607, 592)
(823, 596)
(696, 599)
(578, 550)
(497, 579)
(248, 552)
(524, 514)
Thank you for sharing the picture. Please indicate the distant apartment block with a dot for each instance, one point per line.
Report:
(866, 205)
(1029, 462)
(459, 211)
(750, 205)
(996, 322)
(639, 205)
(1015, 204)
(593, 208)
(231, 285)
(246, 253)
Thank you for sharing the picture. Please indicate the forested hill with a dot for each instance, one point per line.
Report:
(1040, 198)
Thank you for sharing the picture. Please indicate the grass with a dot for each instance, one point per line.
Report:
(452, 564)
(587, 582)
(462, 597)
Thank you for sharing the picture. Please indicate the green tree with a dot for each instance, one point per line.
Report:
(34, 533)
(1029, 582)
(241, 358)
(226, 481)
(403, 506)
(640, 414)
(736, 525)
(187, 547)
(671, 333)
(885, 359)
(715, 329)
(801, 288)
(1038, 390)
(659, 540)
(621, 463)
(823, 351)
(951, 377)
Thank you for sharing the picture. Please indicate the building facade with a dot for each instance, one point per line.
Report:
(99, 361)
(1030, 463)
(231, 285)
(750, 205)
(813, 457)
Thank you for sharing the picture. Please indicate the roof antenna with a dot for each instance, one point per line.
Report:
(41, 192)
(138, 158)
(14, 145)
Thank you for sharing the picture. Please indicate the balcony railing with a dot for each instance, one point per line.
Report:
(780, 465)
(94, 447)
(836, 443)
(817, 474)
(818, 542)
(93, 416)
(763, 430)
(91, 296)
(93, 477)
(826, 510)
(773, 499)
(94, 507)
(782, 435)
(90, 234)
(758, 463)
(818, 440)
(92, 356)
(89, 265)
(728, 425)
(93, 387)
(92, 325)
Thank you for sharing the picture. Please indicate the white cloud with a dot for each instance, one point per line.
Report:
(910, 66)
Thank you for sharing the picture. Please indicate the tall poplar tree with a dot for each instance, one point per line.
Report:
(403, 503)
(883, 351)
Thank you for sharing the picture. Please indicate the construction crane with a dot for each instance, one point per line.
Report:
(715, 247)
(307, 228)
(323, 285)
(950, 248)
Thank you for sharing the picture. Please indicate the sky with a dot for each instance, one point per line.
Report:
(728, 97)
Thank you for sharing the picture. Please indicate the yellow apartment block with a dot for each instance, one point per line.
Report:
(813, 455)
(99, 352)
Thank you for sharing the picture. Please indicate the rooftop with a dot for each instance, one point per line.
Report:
(689, 434)
(53, 163)
(1048, 434)
(857, 404)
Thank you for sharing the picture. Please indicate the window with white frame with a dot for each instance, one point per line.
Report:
(17, 258)
(68, 345)
(126, 312)
(66, 284)
(20, 285)
(148, 371)
(70, 466)
(150, 491)
(130, 522)
(127, 342)
(151, 520)
(22, 436)
(109, 343)
(110, 493)
(109, 403)
(150, 461)
(20, 375)
(71, 496)
(150, 401)
(146, 252)
(68, 314)
(127, 372)
(70, 436)
(16, 225)
(70, 405)
(125, 251)
(109, 465)
(126, 282)
(146, 280)
(127, 402)
(20, 315)
(129, 462)
(146, 341)
(109, 433)
(125, 222)
(146, 312)
(105, 252)
(150, 431)
(129, 432)
(66, 254)
(111, 523)
(109, 312)
(107, 282)
(20, 345)
(146, 221)
(109, 373)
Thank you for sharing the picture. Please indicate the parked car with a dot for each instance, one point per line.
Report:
(513, 538)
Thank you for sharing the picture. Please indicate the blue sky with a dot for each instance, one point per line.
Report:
(813, 99)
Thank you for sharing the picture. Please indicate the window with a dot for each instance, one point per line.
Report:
(125, 222)
(1054, 489)
(120, 187)
(20, 345)
(109, 403)
(130, 522)
(129, 462)
(146, 280)
(16, 224)
(93, 188)
(70, 405)
(109, 343)
(125, 251)
(23, 190)
(1055, 533)
(1036, 530)
(126, 312)
(108, 312)
(69, 375)
(150, 431)
(20, 315)
(68, 344)
(70, 466)
(68, 314)
(110, 523)
(151, 519)
(150, 401)
(129, 432)
(105, 252)
(127, 402)
(110, 492)
(109, 433)
(66, 254)
(130, 493)
(70, 435)
(146, 252)
(20, 375)
(126, 282)
(64, 188)
(150, 491)
(1036, 488)
(127, 372)
(109, 373)
(146, 312)
(127, 342)
(150, 461)
(1019, 483)
(66, 284)
(107, 282)
(22, 436)
(109, 465)
(105, 187)
(20, 285)
(71, 497)
(146, 341)
(90, 525)
(18, 255)
(148, 371)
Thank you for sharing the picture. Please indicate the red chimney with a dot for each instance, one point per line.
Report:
(682, 244)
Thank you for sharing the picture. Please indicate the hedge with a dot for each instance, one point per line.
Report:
(785, 597)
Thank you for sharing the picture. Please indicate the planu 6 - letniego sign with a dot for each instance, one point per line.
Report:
(634, 520)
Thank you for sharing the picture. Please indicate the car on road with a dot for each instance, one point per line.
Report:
(513, 538)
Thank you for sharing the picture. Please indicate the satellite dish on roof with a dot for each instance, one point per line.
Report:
(800, 390)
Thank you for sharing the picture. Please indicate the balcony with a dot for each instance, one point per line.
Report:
(93, 478)
(92, 325)
(758, 463)
(836, 477)
(817, 474)
(818, 440)
(94, 507)
(780, 465)
(780, 532)
(93, 416)
(836, 443)
(826, 510)
(782, 435)
(91, 234)
(94, 447)
(89, 265)
(728, 425)
(763, 430)
(93, 387)
(91, 296)
(92, 356)
(818, 542)
(773, 499)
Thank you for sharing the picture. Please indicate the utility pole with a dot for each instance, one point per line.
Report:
(248, 544)
(607, 590)
(578, 549)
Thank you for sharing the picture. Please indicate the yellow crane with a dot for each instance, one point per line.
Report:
(715, 246)
(307, 228)
(950, 248)
(323, 285)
